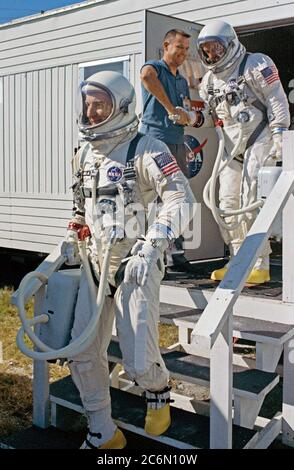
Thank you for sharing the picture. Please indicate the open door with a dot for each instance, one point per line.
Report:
(278, 43)
(207, 242)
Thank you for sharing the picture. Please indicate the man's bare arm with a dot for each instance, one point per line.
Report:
(154, 86)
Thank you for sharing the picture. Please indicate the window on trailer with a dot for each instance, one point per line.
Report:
(117, 64)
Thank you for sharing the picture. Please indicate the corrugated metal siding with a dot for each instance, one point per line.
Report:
(238, 12)
(37, 112)
(39, 75)
(37, 141)
(32, 222)
(89, 34)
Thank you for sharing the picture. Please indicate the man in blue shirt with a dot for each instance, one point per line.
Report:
(164, 92)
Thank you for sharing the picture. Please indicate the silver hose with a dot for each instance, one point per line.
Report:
(85, 339)
(210, 187)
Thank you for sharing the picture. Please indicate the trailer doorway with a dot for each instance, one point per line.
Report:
(278, 43)
(202, 240)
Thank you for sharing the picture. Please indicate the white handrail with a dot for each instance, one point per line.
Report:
(214, 330)
(50, 264)
(225, 296)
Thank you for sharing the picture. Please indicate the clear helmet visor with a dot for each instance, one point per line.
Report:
(96, 105)
(212, 52)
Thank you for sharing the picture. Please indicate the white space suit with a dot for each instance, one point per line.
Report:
(243, 91)
(115, 180)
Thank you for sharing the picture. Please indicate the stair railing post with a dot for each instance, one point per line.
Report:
(40, 375)
(41, 368)
(221, 388)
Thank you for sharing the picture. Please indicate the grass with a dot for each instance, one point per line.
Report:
(16, 372)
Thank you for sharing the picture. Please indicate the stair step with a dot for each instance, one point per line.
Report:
(205, 286)
(54, 438)
(188, 430)
(249, 383)
(266, 306)
(245, 328)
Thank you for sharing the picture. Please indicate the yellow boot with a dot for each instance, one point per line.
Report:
(118, 441)
(157, 418)
(219, 274)
(258, 276)
(157, 421)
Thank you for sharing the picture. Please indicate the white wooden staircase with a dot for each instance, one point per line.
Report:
(207, 320)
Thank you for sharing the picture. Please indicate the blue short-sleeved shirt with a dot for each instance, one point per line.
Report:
(155, 120)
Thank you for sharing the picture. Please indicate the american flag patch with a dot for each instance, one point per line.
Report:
(270, 74)
(166, 163)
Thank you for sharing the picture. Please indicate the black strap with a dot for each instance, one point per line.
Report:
(243, 64)
(261, 126)
(95, 434)
(159, 400)
(129, 172)
(85, 150)
(120, 273)
(91, 445)
(239, 158)
(111, 295)
(257, 104)
(106, 191)
(133, 147)
(210, 87)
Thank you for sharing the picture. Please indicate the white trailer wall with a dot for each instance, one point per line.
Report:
(39, 60)
(240, 12)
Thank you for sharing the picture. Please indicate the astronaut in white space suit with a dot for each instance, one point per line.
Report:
(244, 92)
(117, 173)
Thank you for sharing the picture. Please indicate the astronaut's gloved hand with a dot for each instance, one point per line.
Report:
(145, 254)
(277, 149)
(137, 247)
(276, 153)
(70, 248)
(179, 116)
(144, 258)
(196, 118)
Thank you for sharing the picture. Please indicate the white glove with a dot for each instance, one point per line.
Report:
(192, 117)
(70, 248)
(144, 258)
(188, 118)
(276, 152)
(181, 116)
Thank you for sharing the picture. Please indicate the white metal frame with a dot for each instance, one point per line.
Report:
(113, 60)
(41, 368)
(214, 329)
